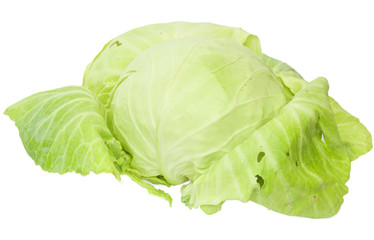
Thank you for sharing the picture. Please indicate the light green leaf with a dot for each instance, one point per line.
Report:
(353, 133)
(286, 74)
(284, 165)
(64, 130)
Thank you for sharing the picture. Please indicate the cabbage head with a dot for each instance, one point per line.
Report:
(199, 104)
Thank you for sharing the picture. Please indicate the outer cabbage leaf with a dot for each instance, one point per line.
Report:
(184, 103)
(284, 165)
(353, 133)
(104, 71)
(64, 130)
(286, 74)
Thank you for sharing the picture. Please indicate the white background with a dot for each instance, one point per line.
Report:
(46, 44)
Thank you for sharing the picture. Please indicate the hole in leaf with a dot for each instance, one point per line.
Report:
(288, 154)
(323, 138)
(260, 180)
(116, 44)
(296, 164)
(260, 156)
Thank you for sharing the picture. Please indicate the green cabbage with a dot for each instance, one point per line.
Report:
(200, 104)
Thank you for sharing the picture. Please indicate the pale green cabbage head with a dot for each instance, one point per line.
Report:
(200, 104)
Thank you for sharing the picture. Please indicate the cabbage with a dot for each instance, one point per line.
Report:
(200, 104)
